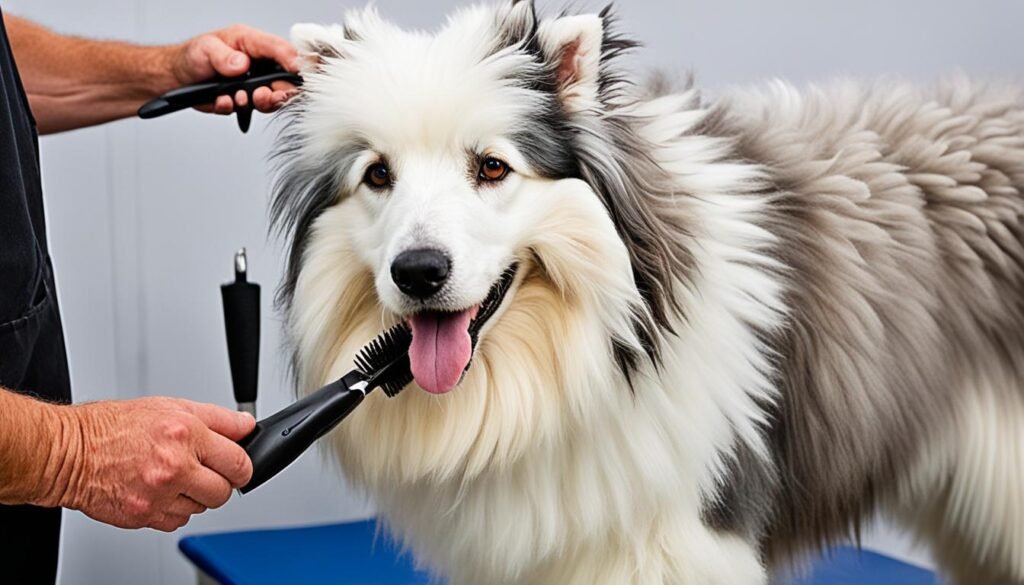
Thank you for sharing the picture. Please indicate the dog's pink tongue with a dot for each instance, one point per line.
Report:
(441, 349)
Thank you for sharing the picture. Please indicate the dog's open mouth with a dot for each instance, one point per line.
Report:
(443, 341)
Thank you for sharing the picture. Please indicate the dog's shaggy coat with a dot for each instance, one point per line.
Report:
(737, 329)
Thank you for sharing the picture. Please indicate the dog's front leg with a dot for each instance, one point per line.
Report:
(672, 555)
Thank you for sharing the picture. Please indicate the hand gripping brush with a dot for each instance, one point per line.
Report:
(279, 439)
(262, 72)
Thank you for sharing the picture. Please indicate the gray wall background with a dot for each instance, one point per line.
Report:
(144, 216)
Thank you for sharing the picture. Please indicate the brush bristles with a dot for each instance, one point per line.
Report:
(393, 387)
(385, 360)
(383, 350)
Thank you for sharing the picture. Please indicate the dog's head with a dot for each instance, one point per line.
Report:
(485, 184)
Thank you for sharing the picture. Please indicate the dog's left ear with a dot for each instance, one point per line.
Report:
(572, 45)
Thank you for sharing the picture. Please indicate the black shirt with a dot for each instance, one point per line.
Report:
(32, 356)
(21, 203)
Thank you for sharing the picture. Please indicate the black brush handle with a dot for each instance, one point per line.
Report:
(279, 439)
(262, 72)
(242, 324)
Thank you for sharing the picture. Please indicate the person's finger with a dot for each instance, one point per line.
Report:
(223, 105)
(208, 488)
(262, 99)
(262, 45)
(228, 60)
(241, 98)
(184, 506)
(226, 458)
(278, 99)
(170, 522)
(229, 423)
(282, 85)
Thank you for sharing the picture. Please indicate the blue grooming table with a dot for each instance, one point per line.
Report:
(354, 554)
(342, 554)
(849, 566)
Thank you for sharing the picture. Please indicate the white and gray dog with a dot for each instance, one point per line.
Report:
(712, 337)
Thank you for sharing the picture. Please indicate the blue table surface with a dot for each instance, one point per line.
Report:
(849, 566)
(355, 554)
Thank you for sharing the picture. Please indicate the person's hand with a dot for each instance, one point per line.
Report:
(228, 52)
(154, 462)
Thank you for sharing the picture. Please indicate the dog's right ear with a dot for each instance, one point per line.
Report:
(573, 46)
(317, 43)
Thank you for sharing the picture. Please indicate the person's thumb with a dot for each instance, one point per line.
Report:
(229, 423)
(225, 59)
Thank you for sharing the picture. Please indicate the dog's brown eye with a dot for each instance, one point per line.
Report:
(378, 176)
(492, 169)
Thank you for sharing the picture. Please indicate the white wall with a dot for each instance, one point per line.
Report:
(144, 216)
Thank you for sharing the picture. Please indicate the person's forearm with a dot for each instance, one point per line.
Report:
(73, 82)
(38, 443)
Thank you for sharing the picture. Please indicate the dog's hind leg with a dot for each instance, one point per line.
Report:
(965, 498)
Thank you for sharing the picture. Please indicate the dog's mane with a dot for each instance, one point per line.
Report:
(604, 149)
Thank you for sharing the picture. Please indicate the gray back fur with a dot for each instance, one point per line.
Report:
(900, 217)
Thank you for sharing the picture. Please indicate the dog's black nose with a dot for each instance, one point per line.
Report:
(420, 273)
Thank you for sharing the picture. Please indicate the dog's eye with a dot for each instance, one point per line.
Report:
(377, 176)
(492, 169)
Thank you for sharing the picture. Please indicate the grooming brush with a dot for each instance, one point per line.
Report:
(262, 72)
(280, 438)
(241, 300)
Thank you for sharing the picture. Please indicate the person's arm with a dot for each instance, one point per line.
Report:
(34, 441)
(74, 82)
(149, 462)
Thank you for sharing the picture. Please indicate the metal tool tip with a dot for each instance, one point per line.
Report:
(241, 263)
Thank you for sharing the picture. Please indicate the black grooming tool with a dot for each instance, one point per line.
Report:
(261, 72)
(280, 438)
(241, 300)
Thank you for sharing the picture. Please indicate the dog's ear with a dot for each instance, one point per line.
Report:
(519, 22)
(317, 43)
(572, 45)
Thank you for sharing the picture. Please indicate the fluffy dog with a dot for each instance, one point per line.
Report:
(656, 340)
